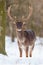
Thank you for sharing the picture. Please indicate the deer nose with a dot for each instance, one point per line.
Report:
(19, 27)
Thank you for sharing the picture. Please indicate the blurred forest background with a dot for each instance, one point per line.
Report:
(36, 20)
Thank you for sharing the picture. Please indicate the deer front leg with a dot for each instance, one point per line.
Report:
(20, 52)
(20, 49)
(27, 52)
(31, 53)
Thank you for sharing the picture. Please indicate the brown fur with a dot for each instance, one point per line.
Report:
(26, 40)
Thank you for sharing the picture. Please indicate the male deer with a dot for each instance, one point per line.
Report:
(25, 38)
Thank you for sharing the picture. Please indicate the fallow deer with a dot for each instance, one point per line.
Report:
(25, 38)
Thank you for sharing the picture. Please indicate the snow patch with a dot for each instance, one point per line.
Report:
(13, 53)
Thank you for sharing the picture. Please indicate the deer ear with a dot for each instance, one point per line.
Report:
(24, 23)
(14, 23)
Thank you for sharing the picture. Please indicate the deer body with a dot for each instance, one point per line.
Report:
(25, 38)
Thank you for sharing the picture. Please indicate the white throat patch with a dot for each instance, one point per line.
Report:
(19, 29)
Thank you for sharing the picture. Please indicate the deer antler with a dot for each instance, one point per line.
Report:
(8, 12)
(30, 13)
(23, 17)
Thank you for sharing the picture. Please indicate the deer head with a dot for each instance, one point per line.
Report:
(21, 22)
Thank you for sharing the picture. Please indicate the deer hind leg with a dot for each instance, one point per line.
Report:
(12, 33)
(27, 52)
(12, 36)
(30, 50)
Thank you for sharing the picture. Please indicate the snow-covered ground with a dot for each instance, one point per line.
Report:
(13, 58)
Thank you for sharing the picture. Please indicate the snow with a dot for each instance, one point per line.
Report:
(13, 58)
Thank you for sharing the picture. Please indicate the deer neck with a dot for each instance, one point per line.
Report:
(20, 34)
